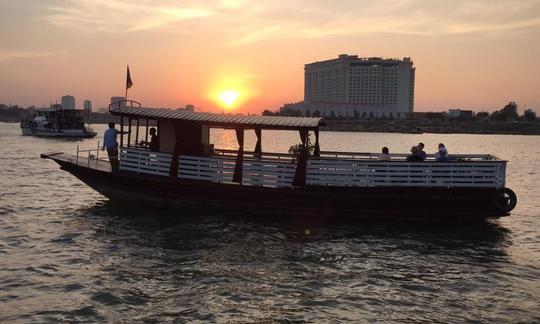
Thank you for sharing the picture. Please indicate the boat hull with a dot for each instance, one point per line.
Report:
(316, 201)
(62, 134)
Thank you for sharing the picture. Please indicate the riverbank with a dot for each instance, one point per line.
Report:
(412, 126)
(408, 126)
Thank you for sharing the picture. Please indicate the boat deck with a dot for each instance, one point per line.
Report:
(100, 164)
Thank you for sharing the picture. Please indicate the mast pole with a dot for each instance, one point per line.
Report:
(127, 78)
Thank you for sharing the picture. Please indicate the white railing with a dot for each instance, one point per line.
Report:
(221, 170)
(144, 161)
(90, 157)
(268, 173)
(324, 172)
(215, 169)
(278, 172)
(248, 154)
(353, 155)
(402, 156)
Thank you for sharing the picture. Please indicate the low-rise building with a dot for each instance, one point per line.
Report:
(341, 110)
(460, 113)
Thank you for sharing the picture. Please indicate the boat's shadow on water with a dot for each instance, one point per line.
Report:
(486, 236)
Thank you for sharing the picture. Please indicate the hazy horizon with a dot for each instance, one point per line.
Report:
(468, 54)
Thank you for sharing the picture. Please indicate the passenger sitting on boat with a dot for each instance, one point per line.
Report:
(414, 155)
(421, 152)
(442, 154)
(385, 156)
(154, 143)
(110, 143)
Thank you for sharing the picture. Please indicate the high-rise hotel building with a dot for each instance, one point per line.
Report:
(350, 86)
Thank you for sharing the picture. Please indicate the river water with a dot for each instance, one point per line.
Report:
(68, 254)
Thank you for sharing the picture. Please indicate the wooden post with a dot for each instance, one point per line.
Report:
(173, 169)
(301, 165)
(317, 150)
(137, 134)
(146, 136)
(129, 132)
(258, 145)
(121, 131)
(238, 168)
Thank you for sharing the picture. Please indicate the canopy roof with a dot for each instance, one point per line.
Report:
(220, 120)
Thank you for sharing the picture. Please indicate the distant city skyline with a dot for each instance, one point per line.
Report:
(249, 56)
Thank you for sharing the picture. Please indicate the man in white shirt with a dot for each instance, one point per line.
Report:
(110, 143)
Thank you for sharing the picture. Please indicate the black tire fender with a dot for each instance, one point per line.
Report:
(504, 200)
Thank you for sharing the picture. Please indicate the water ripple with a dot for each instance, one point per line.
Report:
(69, 255)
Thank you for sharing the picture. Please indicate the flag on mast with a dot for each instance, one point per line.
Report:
(129, 83)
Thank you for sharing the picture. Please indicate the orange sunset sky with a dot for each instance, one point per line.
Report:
(468, 54)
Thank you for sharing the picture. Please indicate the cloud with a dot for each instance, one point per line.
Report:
(246, 21)
(492, 27)
(169, 15)
(233, 3)
(9, 55)
(322, 19)
(119, 15)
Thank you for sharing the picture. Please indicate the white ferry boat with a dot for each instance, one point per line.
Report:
(57, 122)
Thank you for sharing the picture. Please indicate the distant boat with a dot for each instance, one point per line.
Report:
(57, 122)
(185, 170)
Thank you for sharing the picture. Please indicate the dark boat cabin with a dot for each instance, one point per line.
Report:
(182, 134)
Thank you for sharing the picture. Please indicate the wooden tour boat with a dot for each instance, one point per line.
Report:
(188, 172)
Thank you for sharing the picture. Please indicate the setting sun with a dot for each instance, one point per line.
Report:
(228, 97)
(233, 88)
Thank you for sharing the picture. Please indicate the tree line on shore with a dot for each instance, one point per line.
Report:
(507, 113)
(14, 113)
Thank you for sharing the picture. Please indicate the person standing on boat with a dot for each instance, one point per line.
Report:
(110, 143)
